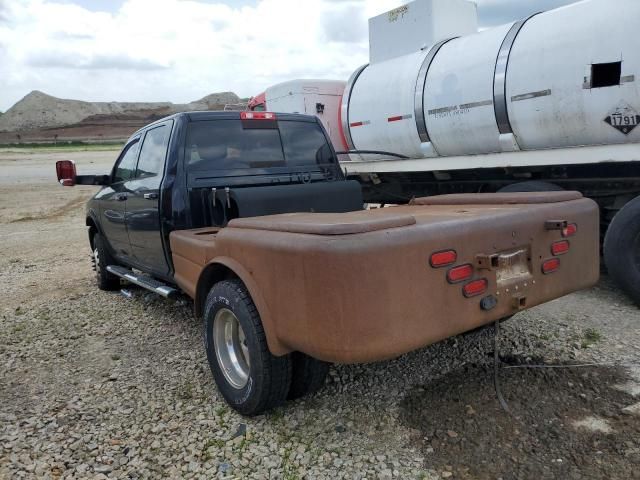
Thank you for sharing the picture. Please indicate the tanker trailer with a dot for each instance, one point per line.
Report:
(549, 102)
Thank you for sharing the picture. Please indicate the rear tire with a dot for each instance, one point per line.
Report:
(308, 375)
(622, 249)
(531, 186)
(101, 258)
(248, 376)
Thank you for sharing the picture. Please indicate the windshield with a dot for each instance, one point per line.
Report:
(224, 145)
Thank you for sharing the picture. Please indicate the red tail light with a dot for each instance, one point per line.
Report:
(477, 287)
(257, 116)
(550, 266)
(560, 248)
(460, 274)
(570, 230)
(443, 258)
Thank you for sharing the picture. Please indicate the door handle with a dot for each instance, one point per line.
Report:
(121, 197)
(150, 196)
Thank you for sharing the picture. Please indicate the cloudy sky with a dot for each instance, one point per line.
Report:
(182, 50)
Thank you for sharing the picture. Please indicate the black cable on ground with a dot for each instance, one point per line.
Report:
(497, 367)
(577, 365)
(496, 370)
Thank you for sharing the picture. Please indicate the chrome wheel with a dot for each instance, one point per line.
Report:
(231, 348)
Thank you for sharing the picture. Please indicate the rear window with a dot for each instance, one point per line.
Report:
(219, 145)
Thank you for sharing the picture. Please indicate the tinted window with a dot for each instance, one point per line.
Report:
(127, 164)
(226, 145)
(153, 153)
(304, 144)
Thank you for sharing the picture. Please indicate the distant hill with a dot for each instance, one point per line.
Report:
(39, 117)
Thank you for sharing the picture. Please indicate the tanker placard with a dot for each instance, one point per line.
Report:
(624, 118)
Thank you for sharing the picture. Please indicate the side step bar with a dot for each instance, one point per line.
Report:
(143, 281)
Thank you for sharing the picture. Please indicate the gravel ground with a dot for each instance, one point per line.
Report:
(96, 385)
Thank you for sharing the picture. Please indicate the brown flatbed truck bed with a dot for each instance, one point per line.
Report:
(374, 284)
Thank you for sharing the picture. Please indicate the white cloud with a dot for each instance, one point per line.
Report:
(178, 50)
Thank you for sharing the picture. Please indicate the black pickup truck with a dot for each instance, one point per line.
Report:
(166, 177)
(249, 214)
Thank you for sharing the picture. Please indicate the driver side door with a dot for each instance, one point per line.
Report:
(143, 203)
(113, 200)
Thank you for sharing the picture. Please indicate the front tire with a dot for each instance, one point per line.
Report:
(622, 249)
(248, 376)
(101, 258)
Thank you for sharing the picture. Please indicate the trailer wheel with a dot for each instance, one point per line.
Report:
(248, 376)
(101, 258)
(307, 375)
(622, 249)
(531, 186)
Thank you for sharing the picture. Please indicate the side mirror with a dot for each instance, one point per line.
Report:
(67, 177)
(66, 171)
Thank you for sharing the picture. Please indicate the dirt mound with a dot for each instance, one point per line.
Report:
(216, 99)
(39, 111)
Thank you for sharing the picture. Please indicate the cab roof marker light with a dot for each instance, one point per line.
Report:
(257, 116)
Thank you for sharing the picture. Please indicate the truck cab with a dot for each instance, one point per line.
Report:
(184, 172)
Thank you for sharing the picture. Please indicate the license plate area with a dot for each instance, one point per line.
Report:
(512, 266)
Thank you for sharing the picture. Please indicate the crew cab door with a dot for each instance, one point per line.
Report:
(143, 213)
(113, 200)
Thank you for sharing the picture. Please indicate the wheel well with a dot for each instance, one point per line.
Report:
(93, 229)
(211, 275)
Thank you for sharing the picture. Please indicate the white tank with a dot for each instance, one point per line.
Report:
(381, 110)
(567, 77)
(458, 95)
(552, 102)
